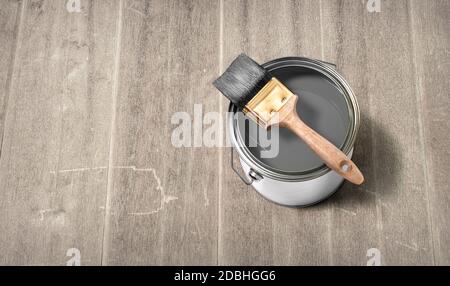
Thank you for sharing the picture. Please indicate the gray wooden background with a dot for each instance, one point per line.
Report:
(86, 100)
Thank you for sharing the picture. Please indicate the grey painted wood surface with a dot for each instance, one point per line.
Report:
(399, 169)
(9, 24)
(163, 199)
(432, 48)
(395, 216)
(89, 103)
(53, 165)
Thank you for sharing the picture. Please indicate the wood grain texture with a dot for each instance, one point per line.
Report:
(88, 109)
(163, 199)
(355, 224)
(381, 47)
(55, 148)
(9, 28)
(399, 163)
(431, 44)
(254, 231)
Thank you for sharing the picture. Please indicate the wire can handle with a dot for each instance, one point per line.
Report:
(251, 174)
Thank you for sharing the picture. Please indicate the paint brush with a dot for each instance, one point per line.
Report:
(268, 102)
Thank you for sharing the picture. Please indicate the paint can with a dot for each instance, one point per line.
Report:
(296, 176)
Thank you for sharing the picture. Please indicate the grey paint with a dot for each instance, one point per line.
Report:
(321, 105)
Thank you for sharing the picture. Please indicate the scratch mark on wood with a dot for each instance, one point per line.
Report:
(136, 11)
(133, 8)
(77, 170)
(165, 199)
(76, 70)
(205, 195)
(43, 213)
(413, 247)
(347, 211)
(197, 227)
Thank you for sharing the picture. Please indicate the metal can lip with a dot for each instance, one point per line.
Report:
(353, 108)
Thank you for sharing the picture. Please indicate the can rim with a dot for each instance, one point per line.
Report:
(353, 108)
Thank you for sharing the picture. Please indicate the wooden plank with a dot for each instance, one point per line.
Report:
(355, 226)
(396, 174)
(254, 231)
(399, 168)
(162, 201)
(9, 25)
(55, 151)
(431, 42)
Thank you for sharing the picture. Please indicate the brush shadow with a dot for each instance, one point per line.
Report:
(378, 156)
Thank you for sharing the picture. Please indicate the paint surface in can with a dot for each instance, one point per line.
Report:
(321, 105)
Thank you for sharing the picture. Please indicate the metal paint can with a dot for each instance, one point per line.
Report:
(297, 176)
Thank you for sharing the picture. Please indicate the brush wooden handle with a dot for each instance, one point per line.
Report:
(332, 156)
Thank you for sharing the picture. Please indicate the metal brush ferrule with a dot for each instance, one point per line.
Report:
(267, 102)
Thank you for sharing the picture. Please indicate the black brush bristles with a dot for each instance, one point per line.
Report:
(242, 80)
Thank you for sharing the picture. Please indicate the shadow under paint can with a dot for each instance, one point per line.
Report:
(296, 176)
